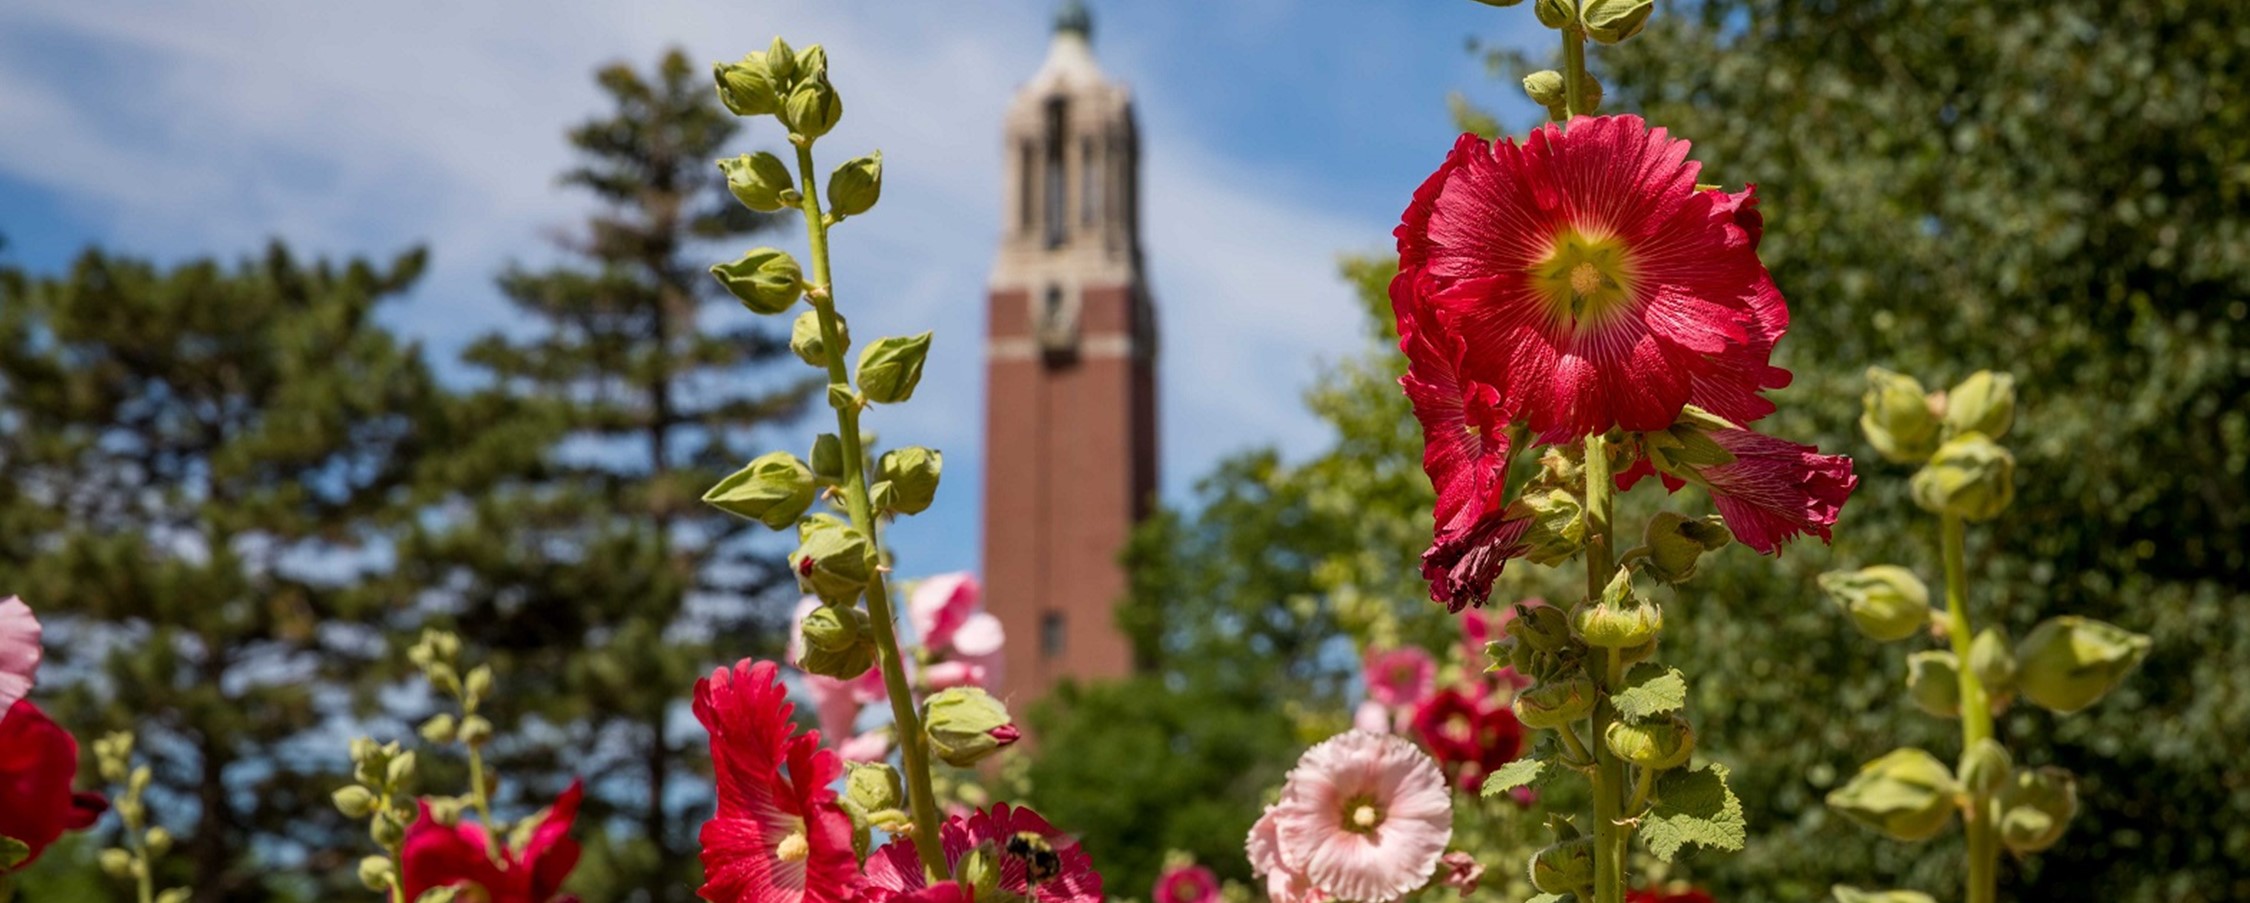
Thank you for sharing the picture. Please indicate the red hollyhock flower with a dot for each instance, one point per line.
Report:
(1469, 736)
(1466, 444)
(1593, 285)
(894, 872)
(777, 837)
(435, 855)
(1691, 895)
(1187, 884)
(38, 762)
(1773, 491)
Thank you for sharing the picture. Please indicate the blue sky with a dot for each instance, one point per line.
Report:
(1278, 134)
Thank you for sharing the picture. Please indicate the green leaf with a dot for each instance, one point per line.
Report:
(1846, 893)
(1513, 775)
(13, 852)
(1550, 898)
(1651, 689)
(1693, 806)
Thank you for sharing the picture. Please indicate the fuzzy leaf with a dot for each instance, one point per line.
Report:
(1693, 806)
(1651, 689)
(1515, 774)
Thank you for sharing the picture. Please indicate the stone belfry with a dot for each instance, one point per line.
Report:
(1070, 355)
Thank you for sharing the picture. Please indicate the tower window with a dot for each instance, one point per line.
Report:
(1089, 183)
(1027, 164)
(1056, 186)
(1051, 634)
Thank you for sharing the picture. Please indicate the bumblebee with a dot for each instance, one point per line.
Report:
(1040, 861)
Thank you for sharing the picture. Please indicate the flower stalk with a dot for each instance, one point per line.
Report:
(1976, 713)
(1609, 777)
(913, 743)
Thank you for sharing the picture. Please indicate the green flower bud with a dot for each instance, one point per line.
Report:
(828, 459)
(2036, 808)
(1543, 627)
(1632, 654)
(781, 63)
(478, 685)
(1985, 767)
(841, 664)
(439, 729)
(400, 769)
(1611, 21)
(1983, 403)
(1886, 602)
(811, 347)
(1555, 703)
(1591, 87)
(760, 181)
(812, 62)
(1933, 679)
(158, 841)
(1558, 526)
(832, 562)
(1906, 794)
(1622, 619)
(891, 367)
(1662, 742)
(2070, 662)
(773, 489)
(966, 724)
(747, 88)
(1994, 667)
(1564, 868)
(874, 786)
(476, 731)
(913, 474)
(1676, 543)
(833, 628)
(354, 801)
(1895, 414)
(855, 186)
(1545, 87)
(375, 872)
(1556, 13)
(813, 107)
(1970, 477)
(386, 831)
(117, 863)
(765, 280)
(979, 871)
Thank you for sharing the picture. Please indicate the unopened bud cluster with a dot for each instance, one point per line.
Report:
(141, 843)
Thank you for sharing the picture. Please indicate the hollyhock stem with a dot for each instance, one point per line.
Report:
(912, 744)
(1574, 71)
(1976, 712)
(1609, 771)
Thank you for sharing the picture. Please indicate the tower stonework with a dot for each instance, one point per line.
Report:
(1070, 396)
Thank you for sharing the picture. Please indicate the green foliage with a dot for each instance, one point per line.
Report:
(2053, 189)
(1692, 805)
(569, 539)
(200, 468)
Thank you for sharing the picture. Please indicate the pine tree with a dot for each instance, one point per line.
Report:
(198, 469)
(588, 565)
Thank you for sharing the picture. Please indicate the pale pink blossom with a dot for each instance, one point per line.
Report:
(1373, 717)
(1284, 884)
(873, 746)
(1363, 817)
(950, 674)
(19, 652)
(1399, 678)
(939, 606)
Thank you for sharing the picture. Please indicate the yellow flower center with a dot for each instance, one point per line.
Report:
(793, 848)
(1365, 816)
(1585, 280)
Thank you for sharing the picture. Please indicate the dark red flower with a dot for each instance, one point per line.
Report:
(1773, 491)
(1466, 444)
(894, 872)
(1468, 735)
(1592, 284)
(38, 762)
(1462, 562)
(436, 856)
(1691, 895)
(778, 836)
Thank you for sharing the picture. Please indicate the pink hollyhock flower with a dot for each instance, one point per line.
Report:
(776, 837)
(1187, 884)
(1468, 735)
(1400, 677)
(1460, 871)
(435, 856)
(1284, 883)
(1372, 717)
(872, 746)
(1593, 285)
(894, 872)
(941, 892)
(38, 762)
(19, 652)
(939, 606)
(1773, 491)
(1363, 817)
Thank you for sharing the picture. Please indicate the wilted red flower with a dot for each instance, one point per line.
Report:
(776, 837)
(1462, 562)
(38, 762)
(435, 855)
(1773, 491)
(1187, 884)
(894, 872)
(1592, 284)
(1468, 735)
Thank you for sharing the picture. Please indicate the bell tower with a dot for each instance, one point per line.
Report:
(1070, 379)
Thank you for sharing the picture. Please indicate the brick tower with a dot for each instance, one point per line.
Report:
(1070, 392)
